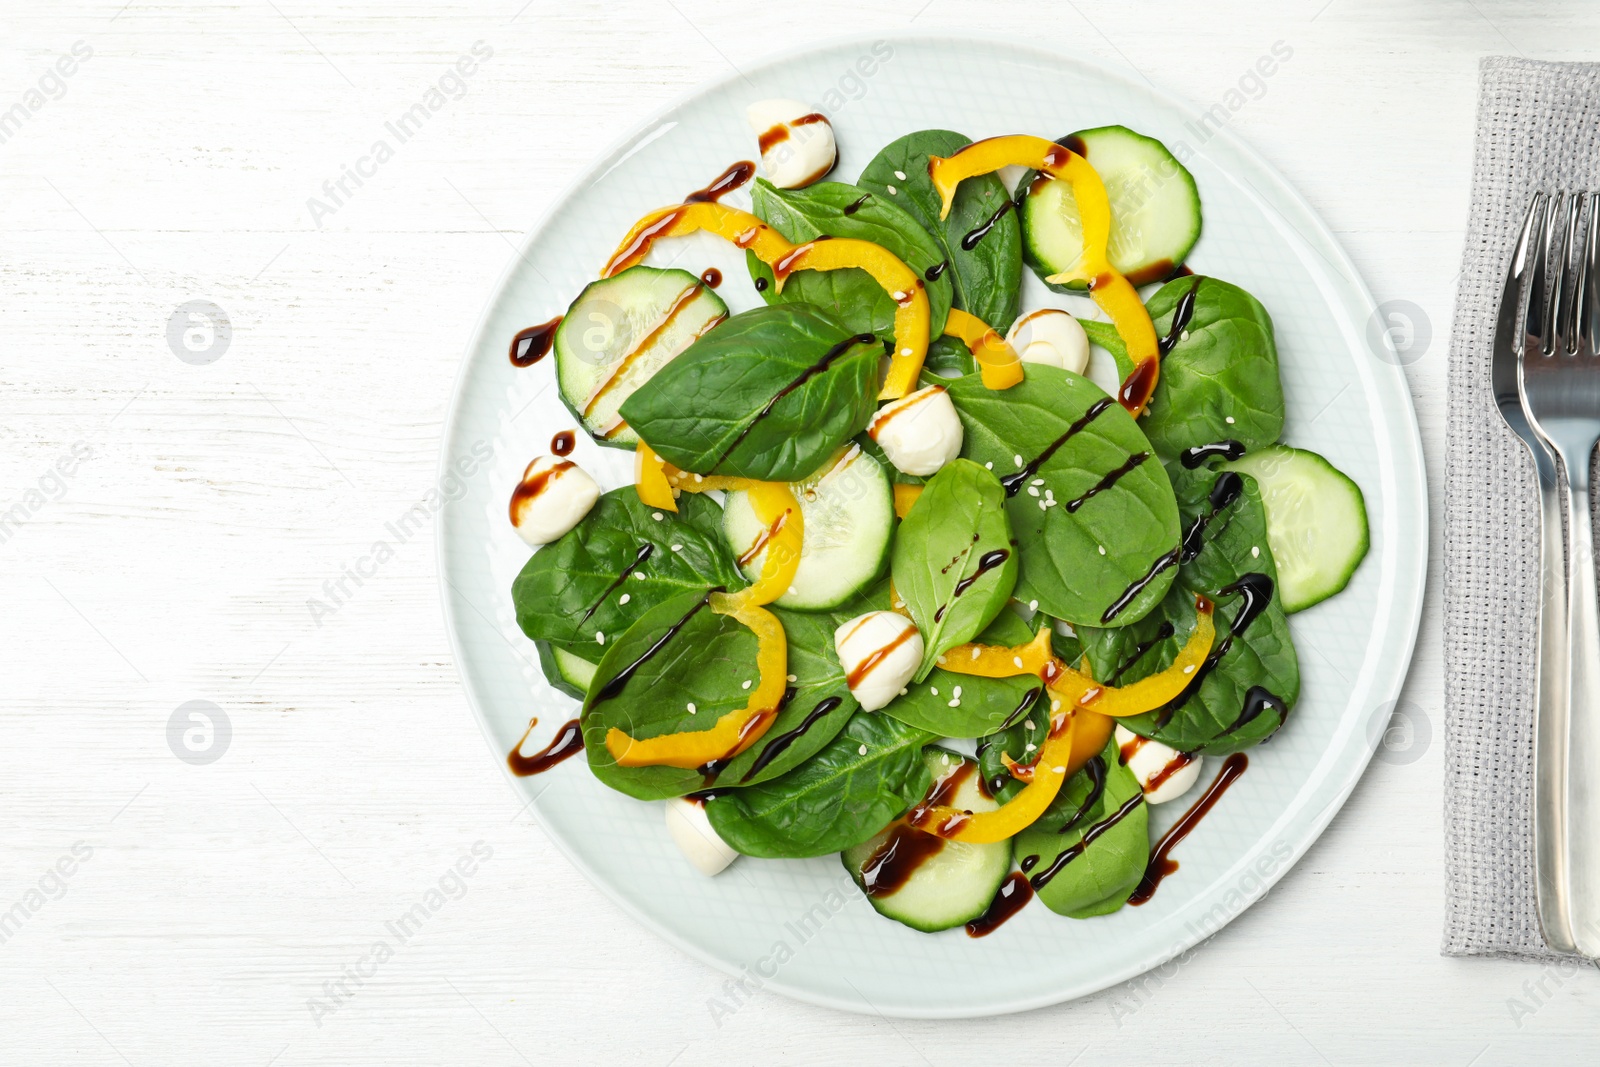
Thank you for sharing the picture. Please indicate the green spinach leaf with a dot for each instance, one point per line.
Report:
(1095, 555)
(705, 663)
(570, 592)
(859, 783)
(948, 357)
(954, 561)
(769, 394)
(1014, 741)
(980, 239)
(1081, 881)
(1242, 693)
(835, 209)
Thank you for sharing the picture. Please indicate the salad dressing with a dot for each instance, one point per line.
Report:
(762, 539)
(1096, 770)
(529, 489)
(1029, 699)
(533, 344)
(933, 272)
(1256, 700)
(726, 182)
(855, 206)
(978, 233)
(644, 553)
(567, 741)
(1013, 483)
(1176, 764)
(1256, 593)
(1091, 835)
(563, 443)
(1137, 387)
(907, 848)
(806, 375)
(873, 661)
(1012, 897)
(1160, 865)
(778, 745)
(614, 687)
(1180, 319)
(1111, 479)
(1229, 450)
(711, 277)
(1163, 632)
(1224, 492)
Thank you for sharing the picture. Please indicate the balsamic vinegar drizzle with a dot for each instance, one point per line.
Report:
(761, 285)
(907, 848)
(529, 489)
(1256, 593)
(933, 272)
(1111, 478)
(563, 443)
(1012, 896)
(806, 375)
(644, 553)
(776, 747)
(1029, 699)
(1160, 865)
(614, 687)
(711, 277)
(1013, 483)
(567, 741)
(852, 208)
(1229, 450)
(1256, 700)
(1180, 319)
(724, 183)
(1224, 492)
(973, 236)
(533, 344)
(986, 563)
(1096, 770)
(1094, 832)
(1163, 632)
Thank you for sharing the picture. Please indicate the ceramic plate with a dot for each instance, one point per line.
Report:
(800, 927)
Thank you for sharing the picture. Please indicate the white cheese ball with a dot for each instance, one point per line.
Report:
(879, 651)
(920, 432)
(1151, 761)
(691, 831)
(553, 496)
(797, 145)
(1051, 337)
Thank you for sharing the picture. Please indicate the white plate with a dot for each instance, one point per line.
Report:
(800, 927)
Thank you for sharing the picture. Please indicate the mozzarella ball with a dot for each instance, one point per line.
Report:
(553, 496)
(797, 145)
(691, 831)
(1051, 337)
(1150, 762)
(920, 432)
(879, 651)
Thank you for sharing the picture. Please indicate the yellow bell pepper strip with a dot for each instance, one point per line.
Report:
(1016, 814)
(904, 497)
(650, 478)
(998, 362)
(1078, 690)
(904, 286)
(737, 730)
(1115, 295)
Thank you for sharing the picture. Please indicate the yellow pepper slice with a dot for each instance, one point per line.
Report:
(904, 497)
(650, 478)
(1115, 295)
(744, 230)
(779, 514)
(736, 730)
(998, 362)
(1018, 813)
(1079, 690)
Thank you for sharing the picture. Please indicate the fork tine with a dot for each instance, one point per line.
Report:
(1555, 235)
(1588, 270)
(1565, 294)
(1533, 329)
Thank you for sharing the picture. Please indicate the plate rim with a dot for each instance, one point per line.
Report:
(1411, 461)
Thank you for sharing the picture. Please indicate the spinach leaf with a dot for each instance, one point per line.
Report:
(954, 562)
(1223, 365)
(1014, 741)
(840, 797)
(963, 705)
(1080, 881)
(705, 662)
(839, 210)
(948, 357)
(1241, 694)
(987, 276)
(1098, 550)
(570, 591)
(769, 394)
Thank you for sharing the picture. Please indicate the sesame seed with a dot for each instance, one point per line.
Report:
(955, 703)
(1030, 748)
(891, 190)
(699, 477)
(639, 575)
(691, 707)
(791, 590)
(656, 515)
(1102, 550)
(746, 684)
(941, 661)
(933, 689)
(956, 691)
(976, 651)
(902, 176)
(1017, 660)
(902, 691)
(1059, 770)
(989, 465)
(792, 678)
(1229, 420)
(677, 548)
(862, 751)
(1055, 705)
(1189, 669)
(1184, 336)
(1017, 460)
(1029, 724)
(1033, 491)
(624, 598)
(905, 351)
(1255, 551)
(599, 638)
(1044, 505)
(1038, 481)
(1033, 605)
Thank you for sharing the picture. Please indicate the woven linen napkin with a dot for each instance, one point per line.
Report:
(1538, 129)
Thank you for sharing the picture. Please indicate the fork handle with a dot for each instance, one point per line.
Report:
(1550, 713)
(1582, 823)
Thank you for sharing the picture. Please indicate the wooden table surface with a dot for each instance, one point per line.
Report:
(165, 523)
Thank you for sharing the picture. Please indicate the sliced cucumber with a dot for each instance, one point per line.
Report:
(1155, 208)
(618, 333)
(567, 672)
(848, 510)
(1316, 522)
(953, 886)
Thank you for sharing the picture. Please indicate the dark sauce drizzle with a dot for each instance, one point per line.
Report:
(1163, 632)
(1112, 478)
(1256, 594)
(723, 184)
(1224, 492)
(806, 375)
(563, 443)
(567, 741)
(934, 272)
(1257, 700)
(533, 344)
(907, 848)
(1180, 319)
(1013, 483)
(1229, 450)
(614, 687)
(643, 554)
(778, 745)
(1096, 770)
(1094, 832)
(1160, 865)
(1029, 699)
(855, 206)
(1012, 896)
(761, 285)
(530, 488)
(712, 277)
(978, 233)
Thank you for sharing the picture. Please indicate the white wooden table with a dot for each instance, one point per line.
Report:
(227, 912)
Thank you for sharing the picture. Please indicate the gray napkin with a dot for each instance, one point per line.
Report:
(1538, 129)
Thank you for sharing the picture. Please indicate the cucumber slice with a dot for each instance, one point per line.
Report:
(953, 886)
(1155, 208)
(567, 672)
(618, 333)
(1316, 522)
(848, 510)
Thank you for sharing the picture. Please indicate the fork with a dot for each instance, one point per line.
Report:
(1559, 371)
(1550, 627)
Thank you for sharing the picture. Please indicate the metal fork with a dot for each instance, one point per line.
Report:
(1559, 370)
(1550, 627)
